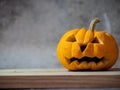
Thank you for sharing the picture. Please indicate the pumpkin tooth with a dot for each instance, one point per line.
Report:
(91, 65)
(74, 65)
(75, 62)
(83, 65)
(100, 64)
(80, 66)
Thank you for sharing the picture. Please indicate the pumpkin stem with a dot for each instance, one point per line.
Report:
(90, 36)
(93, 24)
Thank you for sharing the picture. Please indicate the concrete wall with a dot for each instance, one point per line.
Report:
(31, 29)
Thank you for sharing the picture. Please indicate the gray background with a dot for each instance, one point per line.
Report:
(31, 29)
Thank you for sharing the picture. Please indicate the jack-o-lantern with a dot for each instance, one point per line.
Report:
(82, 49)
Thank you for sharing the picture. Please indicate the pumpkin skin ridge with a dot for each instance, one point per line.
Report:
(108, 60)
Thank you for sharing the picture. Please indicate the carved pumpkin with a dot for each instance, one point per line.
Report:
(82, 49)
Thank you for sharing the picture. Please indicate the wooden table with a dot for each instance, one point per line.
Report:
(58, 78)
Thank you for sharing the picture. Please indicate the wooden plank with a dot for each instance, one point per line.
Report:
(59, 78)
(38, 72)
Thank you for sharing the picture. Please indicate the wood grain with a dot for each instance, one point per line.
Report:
(53, 78)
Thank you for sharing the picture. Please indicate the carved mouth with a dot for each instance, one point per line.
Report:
(87, 59)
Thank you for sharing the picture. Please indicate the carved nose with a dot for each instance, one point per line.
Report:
(83, 47)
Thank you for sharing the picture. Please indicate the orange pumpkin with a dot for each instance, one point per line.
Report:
(82, 49)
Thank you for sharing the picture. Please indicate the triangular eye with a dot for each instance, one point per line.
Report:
(71, 38)
(95, 40)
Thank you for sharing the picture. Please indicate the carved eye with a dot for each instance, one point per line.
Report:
(71, 38)
(95, 40)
